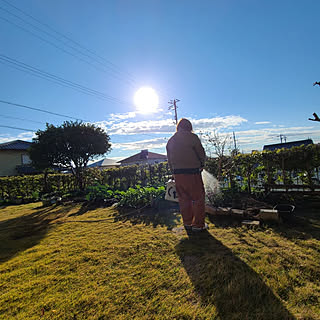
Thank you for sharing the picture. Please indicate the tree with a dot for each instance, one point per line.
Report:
(217, 144)
(69, 146)
(247, 164)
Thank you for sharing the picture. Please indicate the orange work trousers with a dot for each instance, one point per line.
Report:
(191, 197)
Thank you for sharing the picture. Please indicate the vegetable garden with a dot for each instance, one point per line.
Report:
(100, 184)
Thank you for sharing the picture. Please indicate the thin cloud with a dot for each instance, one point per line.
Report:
(262, 122)
(122, 116)
(21, 136)
(115, 117)
(167, 126)
(217, 122)
(271, 135)
(157, 143)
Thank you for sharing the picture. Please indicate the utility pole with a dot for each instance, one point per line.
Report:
(173, 106)
(235, 143)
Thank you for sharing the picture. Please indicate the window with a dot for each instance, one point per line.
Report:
(25, 159)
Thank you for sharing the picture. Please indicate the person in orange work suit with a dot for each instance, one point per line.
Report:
(186, 158)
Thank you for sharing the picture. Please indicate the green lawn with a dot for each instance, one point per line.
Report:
(73, 262)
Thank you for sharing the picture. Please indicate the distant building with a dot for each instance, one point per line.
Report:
(14, 158)
(287, 145)
(142, 158)
(104, 164)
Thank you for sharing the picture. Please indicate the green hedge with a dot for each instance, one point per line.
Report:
(297, 165)
(29, 188)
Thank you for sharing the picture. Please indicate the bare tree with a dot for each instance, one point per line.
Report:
(216, 146)
(215, 143)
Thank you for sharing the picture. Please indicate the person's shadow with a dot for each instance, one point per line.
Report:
(221, 279)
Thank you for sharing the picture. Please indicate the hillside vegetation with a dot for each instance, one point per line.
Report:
(77, 262)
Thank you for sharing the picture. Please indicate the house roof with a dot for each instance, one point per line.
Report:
(104, 163)
(15, 145)
(144, 155)
(287, 145)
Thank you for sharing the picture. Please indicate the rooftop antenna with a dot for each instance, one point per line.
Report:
(282, 137)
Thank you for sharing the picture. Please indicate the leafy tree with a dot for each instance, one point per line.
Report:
(69, 146)
(247, 164)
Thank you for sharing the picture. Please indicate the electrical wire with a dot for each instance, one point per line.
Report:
(17, 128)
(40, 110)
(22, 119)
(115, 75)
(50, 77)
(56, 79)
(90, 54)
(111, 64)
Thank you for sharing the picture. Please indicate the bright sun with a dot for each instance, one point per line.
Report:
(146, 100)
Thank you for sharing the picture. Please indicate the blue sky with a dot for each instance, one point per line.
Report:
(242, 66)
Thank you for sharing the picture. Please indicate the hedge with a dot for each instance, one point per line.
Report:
(29, 188)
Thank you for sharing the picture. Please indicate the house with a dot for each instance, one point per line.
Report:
(287, 145)
(104, 164)
(14, 158)
(143, 157)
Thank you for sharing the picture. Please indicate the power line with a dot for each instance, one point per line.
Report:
(38, 109)
(117, 69)
(119, 73)
(56, 79)
(17, 128)
(22, 119)
(65, 44)
(39, 75)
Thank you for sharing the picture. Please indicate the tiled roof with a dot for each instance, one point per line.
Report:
(103, 163)
(15, 145)
(144, 155)
(287, 145)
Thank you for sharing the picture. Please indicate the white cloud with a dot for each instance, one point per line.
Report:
(259, 138)
(131, 128)
(21, 136)
(262, 122)
(168, 126)
(157, 143)
(209, 124)
(122, 116)
(116, 117)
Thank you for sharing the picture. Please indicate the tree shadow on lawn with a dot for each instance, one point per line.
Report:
(165, 217)
(223, 280)
(85, 207)
(21, 233)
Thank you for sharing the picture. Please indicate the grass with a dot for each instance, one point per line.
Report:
(73, 262)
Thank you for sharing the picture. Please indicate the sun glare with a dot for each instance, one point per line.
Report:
(146, 100)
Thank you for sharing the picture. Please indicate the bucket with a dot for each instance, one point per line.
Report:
(171, 192)
(211, 186)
